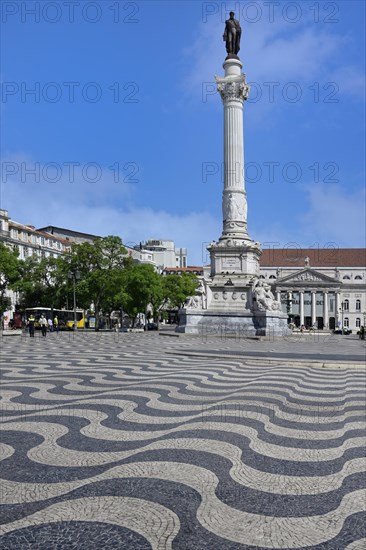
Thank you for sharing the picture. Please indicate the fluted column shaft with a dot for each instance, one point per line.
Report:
(233, 90)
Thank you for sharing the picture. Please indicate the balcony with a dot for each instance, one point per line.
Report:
(4, 233)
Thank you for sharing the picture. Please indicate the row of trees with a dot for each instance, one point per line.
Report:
(104, 275)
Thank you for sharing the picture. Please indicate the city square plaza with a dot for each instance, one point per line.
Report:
(232, 432)
(158, 440)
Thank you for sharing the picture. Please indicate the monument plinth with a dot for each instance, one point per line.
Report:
(233, 300)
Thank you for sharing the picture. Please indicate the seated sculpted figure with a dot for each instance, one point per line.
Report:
(264, 297)
(199, 300)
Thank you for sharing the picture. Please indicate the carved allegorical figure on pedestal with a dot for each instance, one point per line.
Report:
(234, 207)
(232, 35)
(265, 299)
(200, 298)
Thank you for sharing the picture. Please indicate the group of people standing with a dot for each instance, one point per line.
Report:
(44, 323)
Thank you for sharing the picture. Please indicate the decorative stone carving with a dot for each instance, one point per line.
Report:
(200, 298)
(306, 277)
(192, 302)
(234, 207)
(235, 88)
(264, 298)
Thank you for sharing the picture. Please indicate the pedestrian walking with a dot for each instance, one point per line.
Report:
(362, 333)
(50, 325)
(43, 323)
(31, 321)
(55, 323)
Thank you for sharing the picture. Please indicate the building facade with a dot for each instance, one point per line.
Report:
(199, 271)
(29, 242)
(165, 253)
(320, 288)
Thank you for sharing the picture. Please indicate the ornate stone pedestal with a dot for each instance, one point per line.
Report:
(232, 300)
(232, 324)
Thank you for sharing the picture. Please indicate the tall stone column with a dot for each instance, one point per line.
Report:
(325, 309)
(301, 307)
(234, 91)
(313, 307)
(337, 314)
(238, 301)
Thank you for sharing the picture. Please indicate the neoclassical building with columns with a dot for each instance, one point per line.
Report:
(320, 288)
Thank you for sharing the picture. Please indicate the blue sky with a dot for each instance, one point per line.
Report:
(124, 122)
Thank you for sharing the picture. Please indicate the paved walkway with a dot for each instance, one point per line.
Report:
(136, 441)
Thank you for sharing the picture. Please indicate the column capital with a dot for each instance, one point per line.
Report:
(232, 88)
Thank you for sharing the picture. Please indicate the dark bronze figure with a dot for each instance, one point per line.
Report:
(232, 35)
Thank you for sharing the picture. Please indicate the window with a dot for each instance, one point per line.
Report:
(346, 322)
(358, 305)
(358, 322)
(346, 305)
(25, 252)
(272, 276)
(347, 277)
(261, 276)
(358, 278)
(42, 240)
(34, 239)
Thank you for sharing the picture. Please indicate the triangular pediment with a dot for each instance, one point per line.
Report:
(307, 275)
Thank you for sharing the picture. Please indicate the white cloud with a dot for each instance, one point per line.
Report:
(331, 214)
(273, 52)
(350, 80)
(103, 208)
(336, 214)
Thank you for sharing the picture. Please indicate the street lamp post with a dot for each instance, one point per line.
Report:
(74, 275)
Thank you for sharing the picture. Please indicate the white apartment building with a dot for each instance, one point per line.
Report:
(29, 242)
(78, 237)
(165, 253)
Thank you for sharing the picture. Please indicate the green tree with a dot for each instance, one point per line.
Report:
(99, 267)
(142, 286)
(40, 283)
(177, 288)
(9, 274)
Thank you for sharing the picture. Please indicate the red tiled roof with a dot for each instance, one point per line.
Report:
(319, 257)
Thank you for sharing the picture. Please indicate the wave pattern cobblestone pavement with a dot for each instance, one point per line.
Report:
(127, 441)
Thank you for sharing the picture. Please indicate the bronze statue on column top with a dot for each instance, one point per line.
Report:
(232, 36)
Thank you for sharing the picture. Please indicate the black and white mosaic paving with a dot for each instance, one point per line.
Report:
(127, 441)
